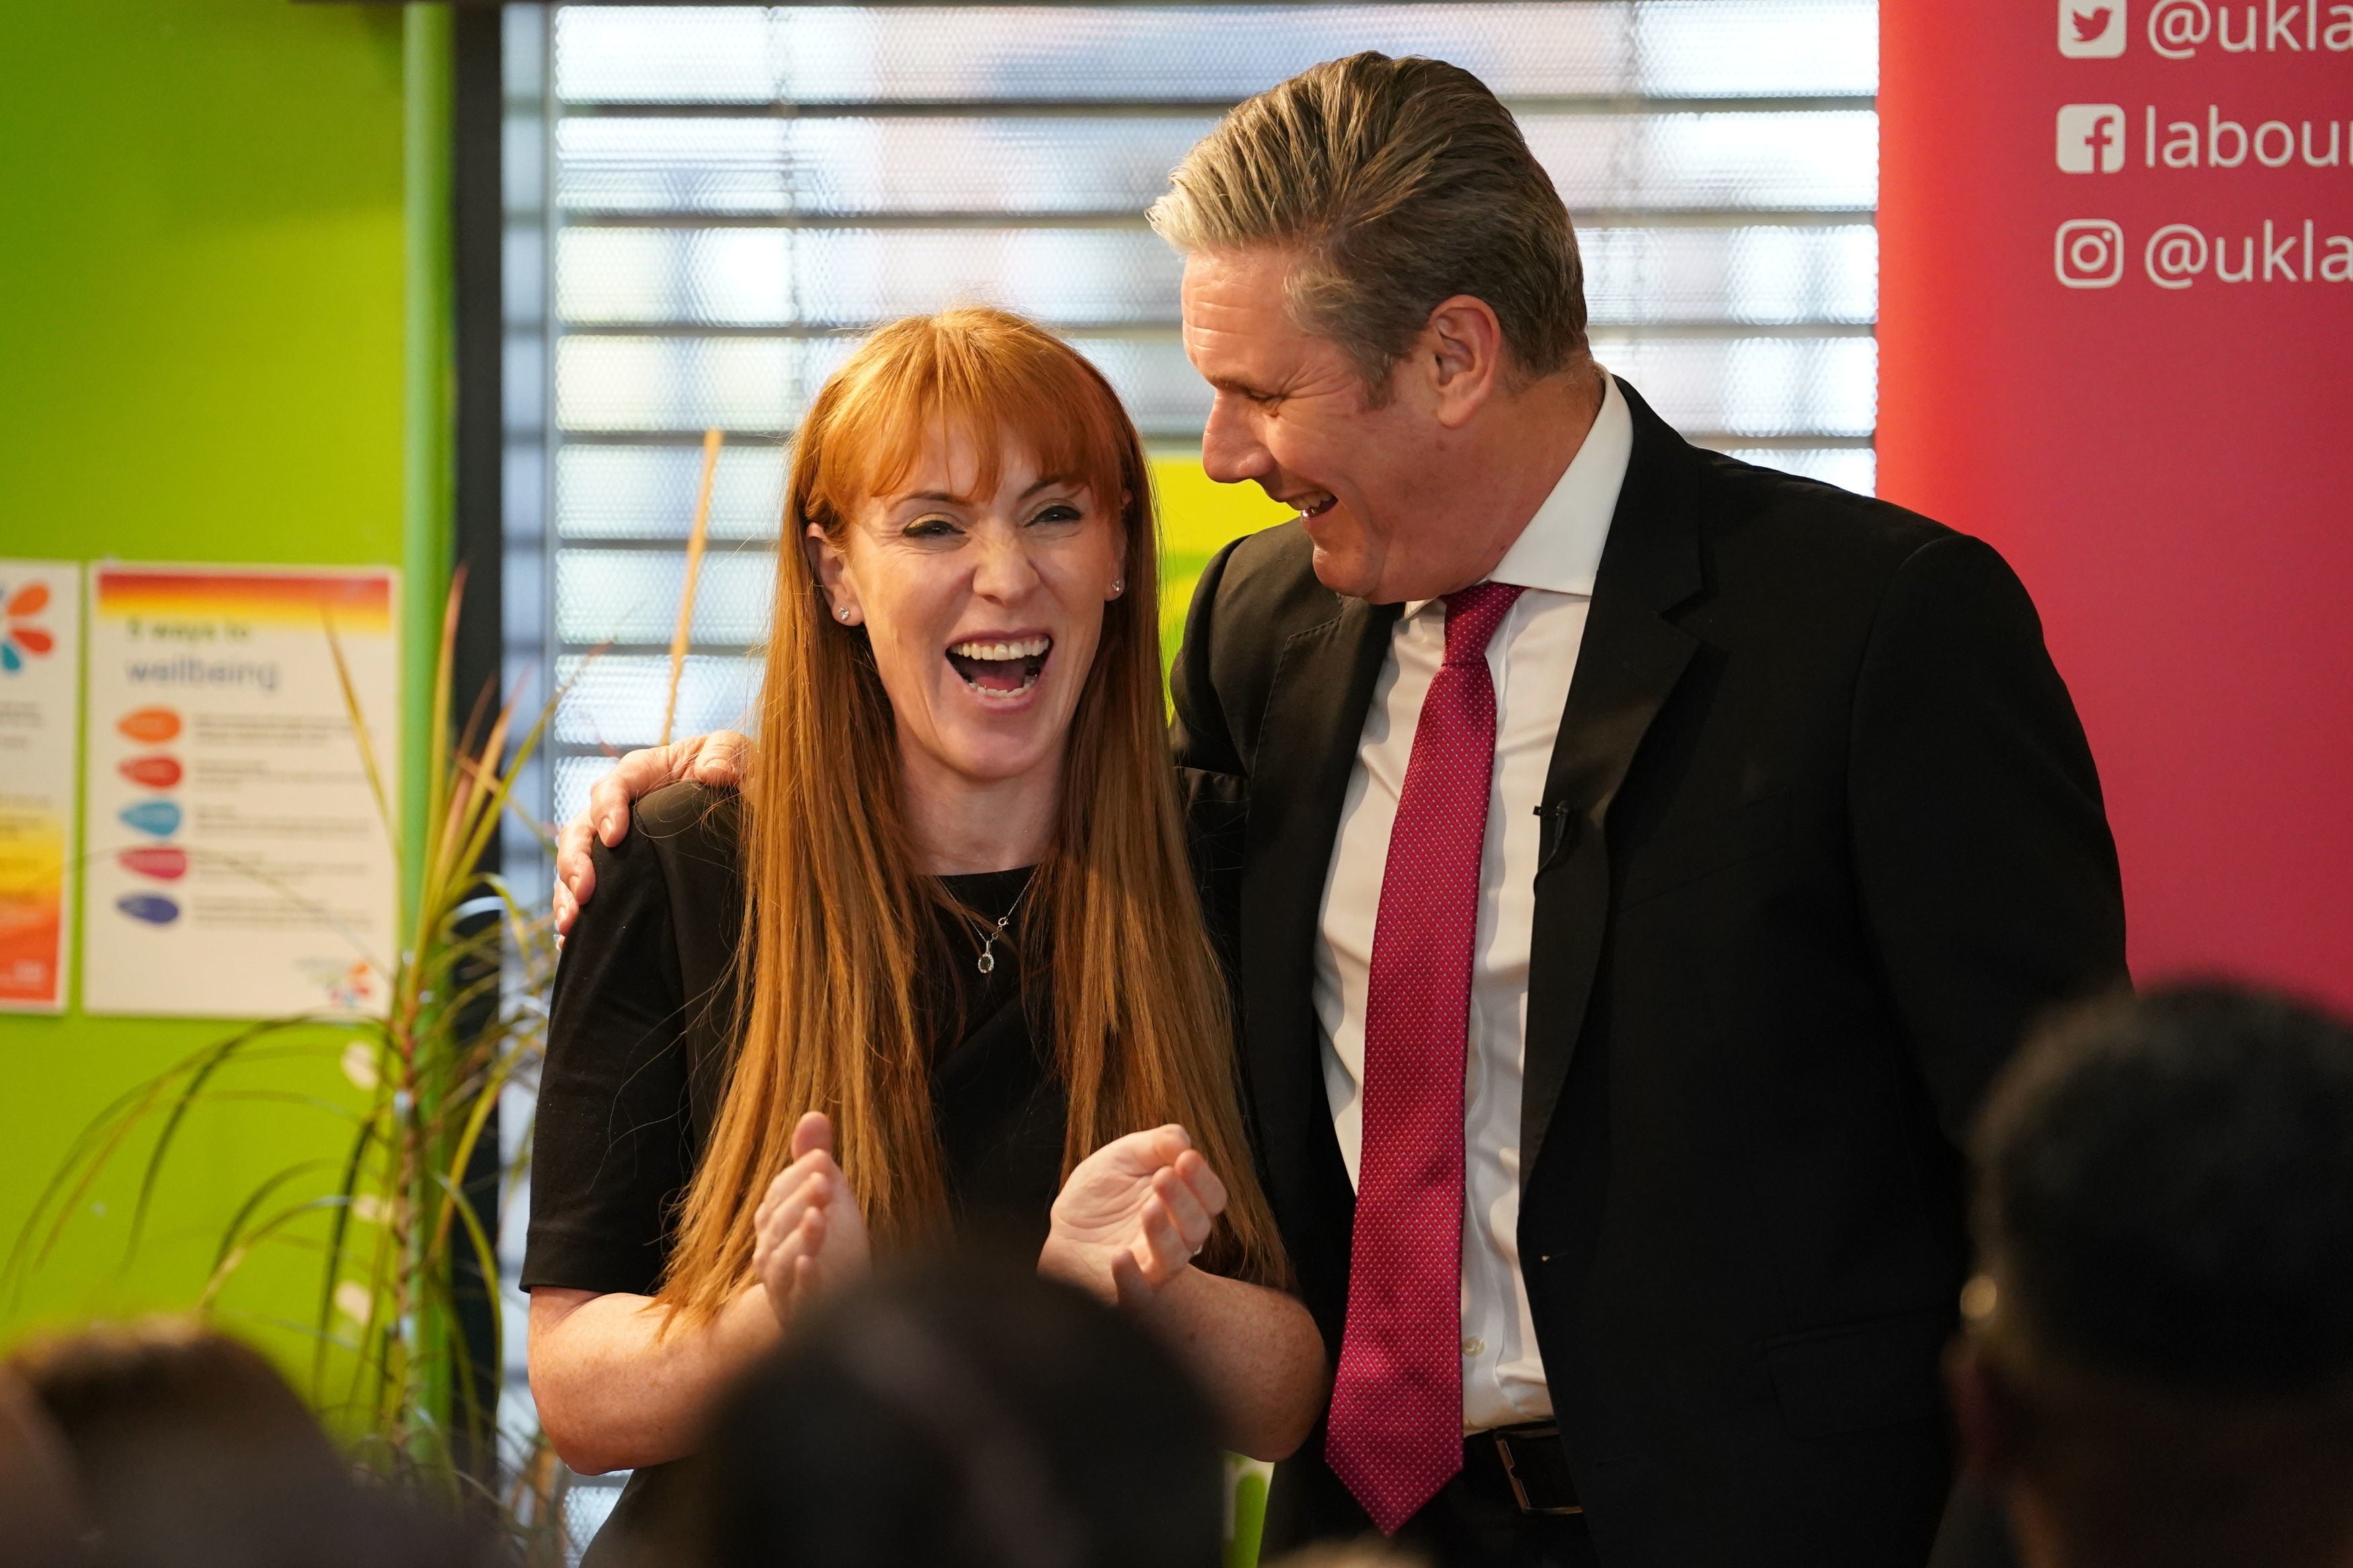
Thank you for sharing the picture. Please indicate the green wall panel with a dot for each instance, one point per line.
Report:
(202, 309)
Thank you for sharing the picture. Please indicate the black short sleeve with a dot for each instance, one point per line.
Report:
(611, 1152)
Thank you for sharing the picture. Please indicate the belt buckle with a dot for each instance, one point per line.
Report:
(1512, 1473)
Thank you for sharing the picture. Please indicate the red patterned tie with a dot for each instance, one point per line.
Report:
(1395, 1433)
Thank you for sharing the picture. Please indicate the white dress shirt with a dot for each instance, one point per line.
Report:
(1531, 657)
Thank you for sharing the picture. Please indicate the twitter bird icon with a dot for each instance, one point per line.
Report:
(2091, 29)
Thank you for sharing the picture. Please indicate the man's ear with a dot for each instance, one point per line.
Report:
(1987, 1412)
(1462, 348)
(832, 572)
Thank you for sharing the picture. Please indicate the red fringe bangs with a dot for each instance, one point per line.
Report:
(991, 377)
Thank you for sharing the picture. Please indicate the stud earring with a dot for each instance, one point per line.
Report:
(1118, 586)
(844, 614)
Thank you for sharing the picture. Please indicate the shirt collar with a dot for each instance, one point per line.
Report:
(1559, 551)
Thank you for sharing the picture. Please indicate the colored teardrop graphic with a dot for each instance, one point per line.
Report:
(10, 659)
(155, 772)
(160, 818)
(33, 637)
(165, 862)
(154, 908)
(153, 725)
(32, 596)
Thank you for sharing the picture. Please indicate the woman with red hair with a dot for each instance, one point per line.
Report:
(939, 970)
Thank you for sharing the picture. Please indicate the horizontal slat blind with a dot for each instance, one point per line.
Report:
(736, 193)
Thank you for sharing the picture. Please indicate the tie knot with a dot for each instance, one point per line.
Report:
(1472, 615)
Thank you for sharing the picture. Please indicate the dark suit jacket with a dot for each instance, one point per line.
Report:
(1822, 837)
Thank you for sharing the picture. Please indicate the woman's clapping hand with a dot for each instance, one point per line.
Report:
(809, 1234)
(1132, 1216)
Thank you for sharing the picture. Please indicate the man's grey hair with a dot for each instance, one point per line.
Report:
(1396, 184)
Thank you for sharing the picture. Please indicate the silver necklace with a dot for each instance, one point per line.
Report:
(988, 963)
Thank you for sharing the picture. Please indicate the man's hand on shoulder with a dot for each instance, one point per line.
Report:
(715, 759)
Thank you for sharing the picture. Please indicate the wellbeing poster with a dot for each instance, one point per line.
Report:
(40, 654)
(239, 865)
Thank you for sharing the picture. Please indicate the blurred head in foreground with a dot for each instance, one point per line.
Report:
(2159, 1366)
(188, 1450)
(41, 1524)
(966, 1414)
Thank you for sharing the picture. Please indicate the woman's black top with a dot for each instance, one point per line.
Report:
(637, 1049)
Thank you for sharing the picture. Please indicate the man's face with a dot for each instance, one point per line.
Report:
(1290, 413)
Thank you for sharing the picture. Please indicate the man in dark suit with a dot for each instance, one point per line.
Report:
(1633, 866)
(1768, 887)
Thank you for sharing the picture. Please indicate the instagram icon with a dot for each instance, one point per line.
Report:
(2089, 253)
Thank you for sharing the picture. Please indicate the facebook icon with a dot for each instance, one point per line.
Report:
(2091, 138)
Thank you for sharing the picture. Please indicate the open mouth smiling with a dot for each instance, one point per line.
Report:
(1001, 668)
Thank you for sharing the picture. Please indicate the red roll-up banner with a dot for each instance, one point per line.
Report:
(2116, 340)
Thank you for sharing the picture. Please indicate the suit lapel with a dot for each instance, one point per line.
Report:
(1299, 776)
(1629, 661)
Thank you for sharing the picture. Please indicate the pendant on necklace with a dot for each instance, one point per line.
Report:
(987, 965)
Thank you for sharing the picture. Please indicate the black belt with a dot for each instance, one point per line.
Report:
(1526, 1466)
